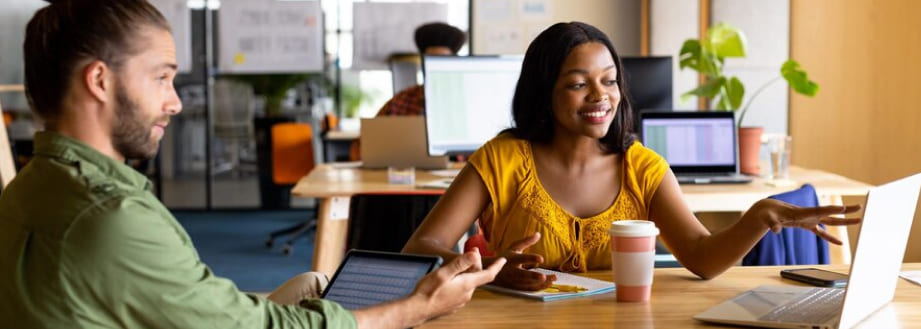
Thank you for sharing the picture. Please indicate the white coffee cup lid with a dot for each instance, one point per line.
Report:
(633, 228)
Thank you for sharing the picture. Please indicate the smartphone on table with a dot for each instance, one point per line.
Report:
(816, 277)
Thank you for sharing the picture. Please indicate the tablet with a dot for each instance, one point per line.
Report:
(368, 278)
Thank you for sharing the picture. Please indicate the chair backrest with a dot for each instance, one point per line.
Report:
(330, 122)
(792, 246)
(7, 168)
(292, 152)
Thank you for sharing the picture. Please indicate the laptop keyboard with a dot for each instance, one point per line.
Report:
(816, 306)
(684, 178)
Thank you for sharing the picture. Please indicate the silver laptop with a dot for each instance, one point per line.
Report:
(700, 147)
(397, 141)
(874, 273)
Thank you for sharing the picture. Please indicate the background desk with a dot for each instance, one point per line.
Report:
(677, 295)
(333, 184)
(337, 144)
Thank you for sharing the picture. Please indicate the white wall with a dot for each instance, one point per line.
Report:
(619, 19)
(767, 27)
(670, 23)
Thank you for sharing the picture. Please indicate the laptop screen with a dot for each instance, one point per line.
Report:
(468, 100)
(692, 142)
(368, 278)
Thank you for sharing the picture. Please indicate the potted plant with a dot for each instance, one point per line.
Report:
(726, 93)
(352, 97)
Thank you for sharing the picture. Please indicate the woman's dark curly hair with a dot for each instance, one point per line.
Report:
(531, 105)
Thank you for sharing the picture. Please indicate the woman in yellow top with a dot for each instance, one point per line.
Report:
(553, 184)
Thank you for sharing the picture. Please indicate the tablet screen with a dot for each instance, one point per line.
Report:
(368, 278)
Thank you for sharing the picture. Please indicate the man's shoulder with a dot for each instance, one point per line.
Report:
(75, 195)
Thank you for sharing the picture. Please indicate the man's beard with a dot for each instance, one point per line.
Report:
(131, 134)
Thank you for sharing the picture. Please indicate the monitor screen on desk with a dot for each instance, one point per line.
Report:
(468, 100)
(650, 82)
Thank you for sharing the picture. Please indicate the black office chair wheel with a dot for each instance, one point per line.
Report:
(269, 243)
(287, 249)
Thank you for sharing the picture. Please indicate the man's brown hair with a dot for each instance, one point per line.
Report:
(67, 33)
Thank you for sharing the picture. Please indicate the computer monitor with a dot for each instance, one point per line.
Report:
(468, 100)
(650, 83)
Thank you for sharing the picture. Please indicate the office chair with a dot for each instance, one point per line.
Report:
(292, 159)
(384, 221)
(792, 246)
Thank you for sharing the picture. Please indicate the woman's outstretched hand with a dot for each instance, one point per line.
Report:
(515, 273)
(778, 214)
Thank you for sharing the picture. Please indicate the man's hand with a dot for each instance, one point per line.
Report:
(516, 274)
(451, 286)
(442, 292)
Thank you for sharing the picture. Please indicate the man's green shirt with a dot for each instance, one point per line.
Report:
(85, 244)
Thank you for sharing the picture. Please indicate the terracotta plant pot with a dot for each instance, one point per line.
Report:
(750, 149)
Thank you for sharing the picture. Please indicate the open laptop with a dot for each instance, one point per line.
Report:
(397, 141)
(700, 147)
(887, 219)
(367, 278)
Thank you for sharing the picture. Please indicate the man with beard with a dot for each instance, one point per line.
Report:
(84, 243)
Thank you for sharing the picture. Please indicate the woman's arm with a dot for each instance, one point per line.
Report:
(453, 214)
(708, 255)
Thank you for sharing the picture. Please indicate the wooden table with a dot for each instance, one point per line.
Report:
(333, 184)
(677, 295)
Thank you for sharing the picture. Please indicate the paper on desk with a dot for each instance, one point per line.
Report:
(912, 276)
(781, 183)
(450, 173)
(592, 286)
(438, 184)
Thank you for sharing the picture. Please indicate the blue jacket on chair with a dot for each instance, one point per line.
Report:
(792, 246)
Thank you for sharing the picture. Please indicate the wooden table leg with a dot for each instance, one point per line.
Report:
(332, 228)
(837, 254)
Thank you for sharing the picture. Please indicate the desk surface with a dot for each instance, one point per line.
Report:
(346, 179)
(677, 296)
(334, 183)
(342, 135)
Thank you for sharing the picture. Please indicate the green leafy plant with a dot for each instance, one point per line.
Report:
(274, 87)
(352, 98)
(707, 57)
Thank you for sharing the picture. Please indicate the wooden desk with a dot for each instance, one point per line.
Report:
(677, 295)
(333, 184)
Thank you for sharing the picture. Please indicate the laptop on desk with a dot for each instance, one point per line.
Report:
(397, 141)
(881, 243)
(700, 147)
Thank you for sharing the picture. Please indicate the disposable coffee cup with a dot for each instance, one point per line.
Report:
(633, 251)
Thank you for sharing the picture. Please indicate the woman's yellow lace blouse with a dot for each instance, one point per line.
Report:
(520, 206)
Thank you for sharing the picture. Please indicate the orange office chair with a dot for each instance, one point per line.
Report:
(292, 159)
